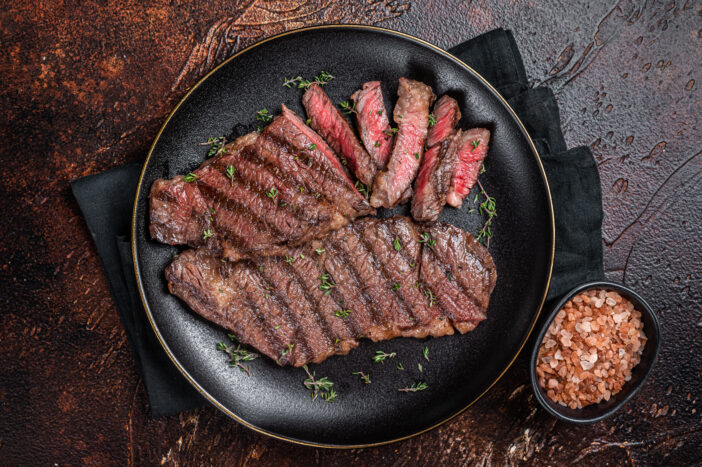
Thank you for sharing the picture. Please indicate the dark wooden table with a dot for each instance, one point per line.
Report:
(85, 88)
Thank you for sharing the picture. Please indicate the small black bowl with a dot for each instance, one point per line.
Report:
(597, 412)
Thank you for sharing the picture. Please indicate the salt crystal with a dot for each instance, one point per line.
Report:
(552, 383)
(610, 301)
(586, 365)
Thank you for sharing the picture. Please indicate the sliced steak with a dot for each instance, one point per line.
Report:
(283, 190)
(411, 115)
(373, 123)
(471, 153)
(434, 181)
(438, 164)
(326, 119)
(446, 115)
(376, 278)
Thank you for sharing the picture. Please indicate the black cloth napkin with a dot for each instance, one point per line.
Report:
(106, 201)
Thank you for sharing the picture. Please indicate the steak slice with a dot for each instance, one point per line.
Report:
(373, 123)
(411, 114)
(436, 171)
(473, 148)
(447, 114)
(375, 278)
(434, 181)
(283, 190)
(326, 119)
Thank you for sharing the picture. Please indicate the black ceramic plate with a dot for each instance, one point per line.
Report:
(460, 368)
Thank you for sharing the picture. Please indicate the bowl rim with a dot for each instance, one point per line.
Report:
(653, 339)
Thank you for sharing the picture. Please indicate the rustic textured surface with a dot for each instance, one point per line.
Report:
(86, 89)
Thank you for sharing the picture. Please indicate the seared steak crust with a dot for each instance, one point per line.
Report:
(285, 188)
(372, 279)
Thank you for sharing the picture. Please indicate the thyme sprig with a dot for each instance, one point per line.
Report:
(320, 387)
(487, 207)
(432, 120)
(364, 377)
(397, 244)
(299, 82)
(418, 386)
(425, 352)
(427, 240)
(390, 132)
(380, 356)
(348, 107)
(342, 313)
(216, 144)
(363, 189)
(237, 354)
(430, 296)
(191, 177)
(264, 116)
(326, 283)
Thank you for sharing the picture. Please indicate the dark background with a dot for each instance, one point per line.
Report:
(86, 87)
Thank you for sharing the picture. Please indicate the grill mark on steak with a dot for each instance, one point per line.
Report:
(363, 262)
(307, 323)
(411, 115)
(402, 312)
(364, 314)
(253, 170)
(391, 263)
(307, 272)
(277, 315)
(326, 119)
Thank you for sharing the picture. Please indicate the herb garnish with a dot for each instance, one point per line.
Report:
(377, 143)
(312, 147)
(419, 367)
(191, 177)
(319, 387)
(326, 283)
(286, 351)
(475, 143)
(380, 356)
(486, 207)
(301, 83)
(390, 132)
(482, 169)
(289, 259)
(427, 240)
(342, 313)
(237, 355)
(231, 170)
(348, 107)
(419, 386)
(416, 155)
(362, 188)
(272, 193)
(308, 121)
(319, 251)
(364, 377)
(397, 244)
(432, 120)
(400, 367)
(431, 297)
(425, 352)
(207, 234)
(264, 116)
(396, 286)
(216, 145)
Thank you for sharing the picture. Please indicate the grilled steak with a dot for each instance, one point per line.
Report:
(472, 149)
(373, 124)
(436, 171)
(411, 115)
(322, 297)
(326, 119)
(284, 189)
(447, 115)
